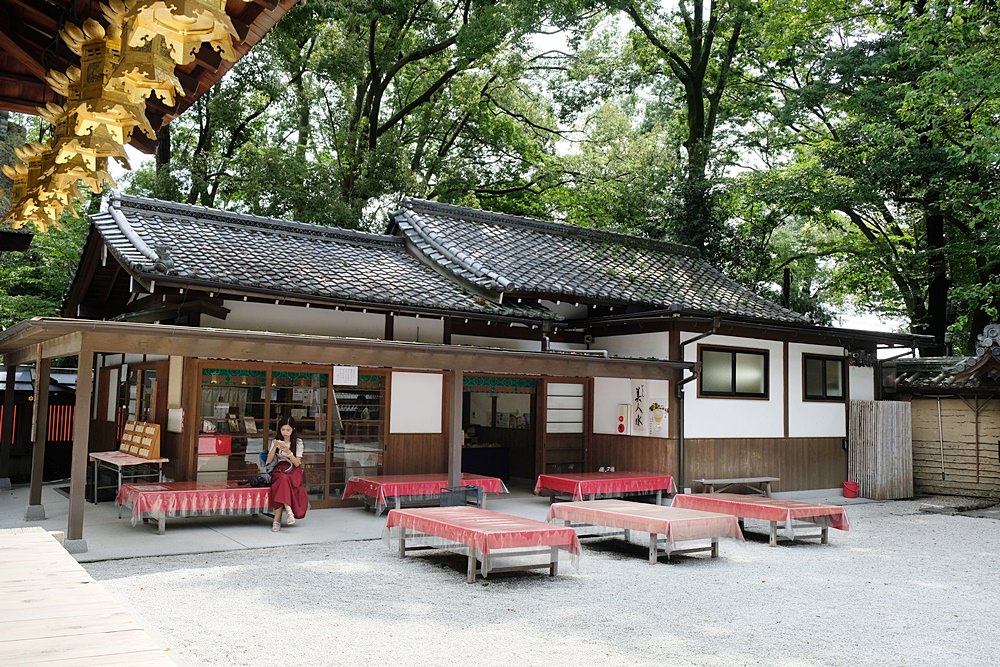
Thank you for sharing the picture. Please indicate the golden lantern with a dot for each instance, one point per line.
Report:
(89, 152)
(185, 25)
(100, 106)
(144, 69)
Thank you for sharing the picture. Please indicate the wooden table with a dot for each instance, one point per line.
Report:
(758, 485)
(376, 490)
(591, 484)
(776, 511)
(190, 499)
(674, 524)
(53, 612)
(126, 466)
(485, 536)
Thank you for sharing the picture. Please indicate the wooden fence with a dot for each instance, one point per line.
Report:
(880, 449)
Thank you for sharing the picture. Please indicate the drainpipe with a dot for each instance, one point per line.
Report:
(695, 372)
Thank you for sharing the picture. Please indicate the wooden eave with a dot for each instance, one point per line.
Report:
(30, 46)
(47, 338)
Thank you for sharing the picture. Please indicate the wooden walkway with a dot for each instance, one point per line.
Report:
(52, 611)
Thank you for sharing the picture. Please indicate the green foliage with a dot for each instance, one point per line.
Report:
(32, 283)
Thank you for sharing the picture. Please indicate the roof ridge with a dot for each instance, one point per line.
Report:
(548, 226)
(124, 201)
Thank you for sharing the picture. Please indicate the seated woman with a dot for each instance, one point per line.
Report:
(287, 493)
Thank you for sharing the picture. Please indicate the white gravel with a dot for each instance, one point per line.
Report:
(901, 588)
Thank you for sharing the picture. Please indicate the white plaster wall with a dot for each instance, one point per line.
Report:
(418, 329)
(637, 346)
(297, 319)
(734, 417)
(862, 383)
(609, 393)
(812, 419)
(415, 402)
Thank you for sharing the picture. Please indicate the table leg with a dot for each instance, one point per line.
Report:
(766, 487)
(715, 547)
(96, 466)
(402, 542)
(652, 548)
(119, 481)
(659, 497)
(628, 535)
(774, 534)
(710, 488)
(825, 536)
(161, 524)
(482, 500)
(554, 561)
(470, 570)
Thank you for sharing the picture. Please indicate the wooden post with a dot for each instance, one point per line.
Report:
(455, 440)
(40, 430)
(81, 441)
(7, 427)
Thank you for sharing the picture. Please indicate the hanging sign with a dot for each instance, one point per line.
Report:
(345, 375)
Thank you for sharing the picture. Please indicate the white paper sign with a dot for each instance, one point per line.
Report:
(345, 375)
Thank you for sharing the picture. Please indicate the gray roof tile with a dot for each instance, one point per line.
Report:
(238, 251)
(507, 253)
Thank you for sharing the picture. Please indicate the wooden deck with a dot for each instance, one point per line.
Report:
(52, 611)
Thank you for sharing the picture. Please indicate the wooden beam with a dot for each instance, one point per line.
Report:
(81, 446)
(40, 428)
(25, 58)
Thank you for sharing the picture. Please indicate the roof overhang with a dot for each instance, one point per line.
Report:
(45, 338)
(839, 333)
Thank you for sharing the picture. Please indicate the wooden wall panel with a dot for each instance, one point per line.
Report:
(954, 452)
(801, 463)
(564, 452)
(634, 453)
(412, 453)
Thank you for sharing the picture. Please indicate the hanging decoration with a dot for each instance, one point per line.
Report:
(124, 61)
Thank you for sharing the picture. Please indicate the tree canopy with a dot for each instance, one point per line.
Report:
(828, 154)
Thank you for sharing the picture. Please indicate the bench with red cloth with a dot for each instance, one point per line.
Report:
(776, 511)
(580, 484)
(375, 490)
(674, 524)
(191, 499)
(488, 538)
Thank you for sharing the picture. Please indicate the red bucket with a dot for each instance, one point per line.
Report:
(850, 489)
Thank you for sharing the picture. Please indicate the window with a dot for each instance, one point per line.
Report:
(733, 372)
(823, 378)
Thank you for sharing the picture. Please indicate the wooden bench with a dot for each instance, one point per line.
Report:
(760, 486)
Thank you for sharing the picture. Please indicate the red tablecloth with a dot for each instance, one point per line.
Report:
(675, 524)
(484, 530)
(185, 498)
(610, 483)
(769, 509)
(382, 487)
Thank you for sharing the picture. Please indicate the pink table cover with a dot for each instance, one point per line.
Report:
(122, 459)
(382, 487)
(675, 524)
(587, 483)
(183, 498)
(484, 530)
(769, 509)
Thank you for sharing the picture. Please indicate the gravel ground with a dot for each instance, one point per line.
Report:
(903, 587)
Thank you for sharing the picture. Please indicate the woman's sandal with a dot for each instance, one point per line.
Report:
(275, 526)
(290, 520)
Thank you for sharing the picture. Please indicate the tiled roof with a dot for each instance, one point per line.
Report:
(932, 373)
(505, 253)
(164, 241)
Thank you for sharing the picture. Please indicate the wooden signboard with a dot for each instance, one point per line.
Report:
(141, 439)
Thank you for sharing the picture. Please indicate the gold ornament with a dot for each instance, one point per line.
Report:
(185, 25)
(100, 106)
(144, 69)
